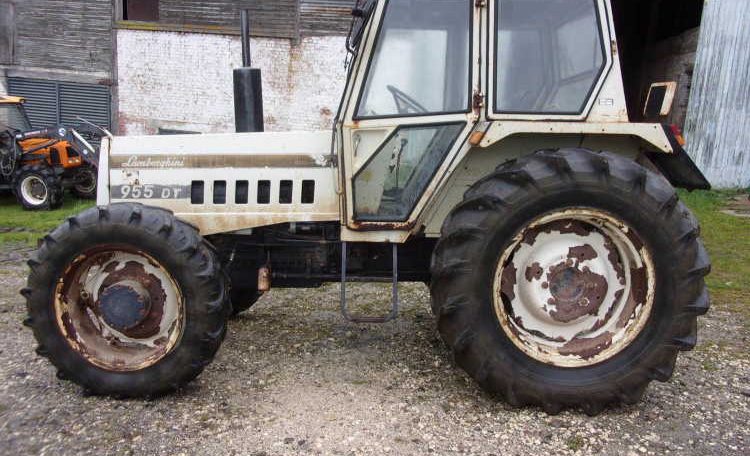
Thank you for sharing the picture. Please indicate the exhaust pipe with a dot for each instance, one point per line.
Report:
(248, 86)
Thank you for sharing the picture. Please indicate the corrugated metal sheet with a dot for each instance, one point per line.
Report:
(64, 34)
(50, 103)
(719, 113)
(41, 99)
(325, 17)
(272, 18)
(92, 102)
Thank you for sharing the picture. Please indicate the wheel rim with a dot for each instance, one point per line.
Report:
(88, 184)
(119, 308)
(574, 288)
(34, 190)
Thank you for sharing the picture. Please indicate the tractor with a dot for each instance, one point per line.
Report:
(39, 165)
(481, 147)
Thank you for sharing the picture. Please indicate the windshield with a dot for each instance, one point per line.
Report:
(13, 117)
(360, 16)
(421, 61)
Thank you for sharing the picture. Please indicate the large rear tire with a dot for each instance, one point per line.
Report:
(127, 301)
(570, 278)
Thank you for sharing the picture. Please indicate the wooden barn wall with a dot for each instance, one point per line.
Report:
(64, 34)
(7, 32)
(325, 17)
(268, 18)
(719, 113)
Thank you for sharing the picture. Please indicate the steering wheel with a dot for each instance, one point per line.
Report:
(405, 104)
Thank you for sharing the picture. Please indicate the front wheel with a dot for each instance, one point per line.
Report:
(127, 301)
(37, 187)
(570, 279)
(85, 183)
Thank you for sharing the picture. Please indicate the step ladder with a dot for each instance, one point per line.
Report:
(394, 293)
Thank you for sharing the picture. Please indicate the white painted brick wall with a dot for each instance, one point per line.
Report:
(184, 81)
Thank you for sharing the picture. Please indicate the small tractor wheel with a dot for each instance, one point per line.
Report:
(127, 301)
(570, 278)
(243, 299)
(37, 187)
(85, 186)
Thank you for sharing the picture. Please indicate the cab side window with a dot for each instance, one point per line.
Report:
(549, 55)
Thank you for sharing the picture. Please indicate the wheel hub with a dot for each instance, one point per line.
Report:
(119, 308)
(125, 305)
(574, 288)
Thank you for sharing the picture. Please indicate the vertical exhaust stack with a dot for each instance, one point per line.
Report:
(248, 88)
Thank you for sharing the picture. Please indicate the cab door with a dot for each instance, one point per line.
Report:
(408, 110)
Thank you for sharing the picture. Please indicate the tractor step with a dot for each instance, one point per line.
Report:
(394, 293)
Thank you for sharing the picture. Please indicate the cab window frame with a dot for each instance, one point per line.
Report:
(603, 28)
(356, 116)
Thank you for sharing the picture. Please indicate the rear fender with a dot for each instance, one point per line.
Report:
(678, 167)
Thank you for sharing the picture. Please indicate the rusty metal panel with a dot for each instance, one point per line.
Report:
(325, 17)
(719, 112)
(69, 35)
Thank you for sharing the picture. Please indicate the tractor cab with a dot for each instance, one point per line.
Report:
(429, 81)
(13, 116)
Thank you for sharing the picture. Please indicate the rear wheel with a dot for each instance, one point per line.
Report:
(570, 278)
(37, 187)
(127, 301)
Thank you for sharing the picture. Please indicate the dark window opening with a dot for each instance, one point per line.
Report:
(220, 192)
(286, 191)
(644, 29)
(140, 10)
(241, 192)
(308, 192)
(196, 192)
(264, 192)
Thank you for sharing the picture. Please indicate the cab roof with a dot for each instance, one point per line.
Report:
(7, 99)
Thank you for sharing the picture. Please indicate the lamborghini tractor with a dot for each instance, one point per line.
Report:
(481, 147)
(38, 165)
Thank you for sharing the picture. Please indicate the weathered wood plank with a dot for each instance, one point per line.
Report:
(270, 18)
(70, 34)
(325, 17)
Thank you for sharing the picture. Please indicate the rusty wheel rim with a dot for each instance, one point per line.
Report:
(119, 308)
(574, 288)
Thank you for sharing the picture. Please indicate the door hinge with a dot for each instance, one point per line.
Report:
(478, 100)
(480, 3)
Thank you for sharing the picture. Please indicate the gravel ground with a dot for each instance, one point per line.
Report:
(294, 378)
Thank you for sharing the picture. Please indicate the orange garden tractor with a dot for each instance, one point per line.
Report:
(482, 147)
(38, 165)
